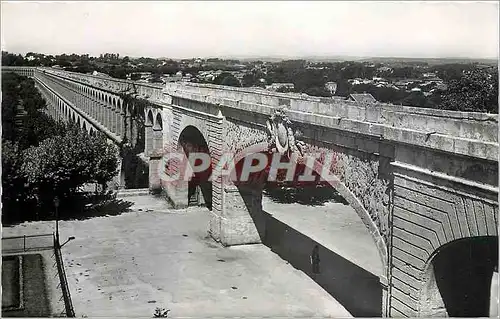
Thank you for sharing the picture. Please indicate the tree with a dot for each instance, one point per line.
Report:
(14, 192)
(61, 164)
(475, 91)
(135, 76)
(9, 59)
(227, 79)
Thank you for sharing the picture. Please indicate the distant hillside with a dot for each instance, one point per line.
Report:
(430, 61)
(340, 58)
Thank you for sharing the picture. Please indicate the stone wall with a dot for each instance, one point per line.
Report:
(430, 211)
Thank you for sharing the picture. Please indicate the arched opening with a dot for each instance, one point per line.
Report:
(199, 186)
(131, 123)
(317, 225)
(149, 118)
(458, 278)
(148, 133)
(85, 127)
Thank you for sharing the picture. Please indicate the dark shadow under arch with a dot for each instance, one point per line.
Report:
(159, 123)
(192, 140)
(458, 278)
(149, 118)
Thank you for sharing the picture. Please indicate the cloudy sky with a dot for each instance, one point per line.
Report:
(187, 29)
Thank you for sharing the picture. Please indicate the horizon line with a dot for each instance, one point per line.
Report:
(273, 56)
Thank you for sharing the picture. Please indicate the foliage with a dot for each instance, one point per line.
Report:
(13, 180)
(61, 164)
(227, 79)
(136, 171)
(475, 90)
(452, 71)
(23, 104)
(42, 158)
(161, 312)
(12, 59)
(135, 76)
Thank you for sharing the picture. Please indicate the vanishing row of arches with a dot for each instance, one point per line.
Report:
(141, 126)
(59, 110)
(27, 71)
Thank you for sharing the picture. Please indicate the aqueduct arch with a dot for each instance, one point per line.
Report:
(198, 189)
(148, 132)
(457, 278)
(316, 170)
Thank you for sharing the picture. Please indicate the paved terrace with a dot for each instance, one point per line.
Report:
(128, 265)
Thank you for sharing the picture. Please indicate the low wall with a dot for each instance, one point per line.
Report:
(357, 289)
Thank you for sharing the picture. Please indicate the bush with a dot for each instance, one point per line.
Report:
(161, 312)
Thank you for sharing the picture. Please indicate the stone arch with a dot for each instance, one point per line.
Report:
(131, 109)
(78, 121)
(148, 132)
(157, 132)
(84, 126)
(457, 278)
(158, 121)
(149, 118)
(343, 190)
(198, 189)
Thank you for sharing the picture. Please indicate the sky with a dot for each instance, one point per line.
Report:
(185, 29)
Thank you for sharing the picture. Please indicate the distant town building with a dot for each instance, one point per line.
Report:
(331, 87)
(429, 75)
(384, 69)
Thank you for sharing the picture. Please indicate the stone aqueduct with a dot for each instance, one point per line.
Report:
(422, 180)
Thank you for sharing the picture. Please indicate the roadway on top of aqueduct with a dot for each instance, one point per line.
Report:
(422, 180)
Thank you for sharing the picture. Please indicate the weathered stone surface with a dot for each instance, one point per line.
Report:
(360, 174)
(239, 136)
